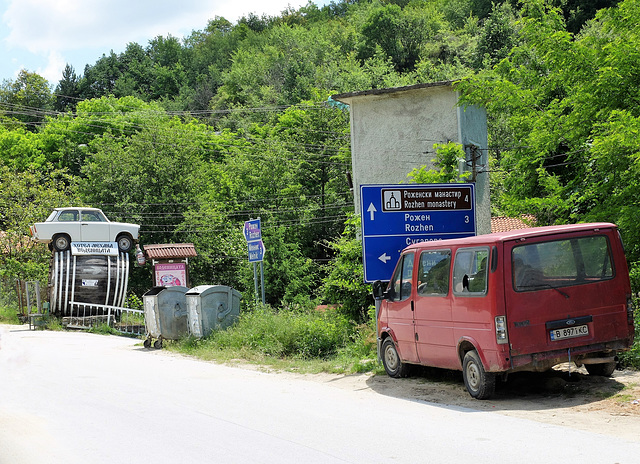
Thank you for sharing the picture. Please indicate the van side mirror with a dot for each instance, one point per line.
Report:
(378, 288)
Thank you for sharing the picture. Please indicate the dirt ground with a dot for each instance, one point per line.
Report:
(566, 396)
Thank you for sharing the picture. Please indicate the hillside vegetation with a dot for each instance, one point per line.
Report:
(190, 137)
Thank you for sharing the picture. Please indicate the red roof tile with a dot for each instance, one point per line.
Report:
(170, 251)
(506, 224)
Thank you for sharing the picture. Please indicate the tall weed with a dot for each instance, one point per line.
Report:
(287, 333)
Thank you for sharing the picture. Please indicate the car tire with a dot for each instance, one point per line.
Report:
(391, 360)
(125, 243)
(61, 242)
(480, 384)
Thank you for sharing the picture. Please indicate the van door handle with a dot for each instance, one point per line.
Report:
(412, 305)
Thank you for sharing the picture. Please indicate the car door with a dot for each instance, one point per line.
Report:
(94, 227)
(432, 314)
(68, 222)
(400, 308)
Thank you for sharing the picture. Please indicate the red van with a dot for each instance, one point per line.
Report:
(492, 304)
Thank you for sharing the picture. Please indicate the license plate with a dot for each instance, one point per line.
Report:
(569, 332)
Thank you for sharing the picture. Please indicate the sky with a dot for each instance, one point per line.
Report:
(42, 36)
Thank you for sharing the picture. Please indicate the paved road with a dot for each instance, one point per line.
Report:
(82, 398)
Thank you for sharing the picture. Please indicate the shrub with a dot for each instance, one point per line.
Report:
(344, 284)
(8, 315)
(286, 333)
(631, 358)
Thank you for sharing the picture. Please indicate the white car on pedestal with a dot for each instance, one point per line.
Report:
(66, 225)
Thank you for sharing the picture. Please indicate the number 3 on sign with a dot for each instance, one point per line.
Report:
(466, 219)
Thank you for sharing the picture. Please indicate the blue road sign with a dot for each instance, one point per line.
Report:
(256, 251)
(396, 216)
(252, 230)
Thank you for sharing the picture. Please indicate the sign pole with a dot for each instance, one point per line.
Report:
(262, 279)
(255, 281)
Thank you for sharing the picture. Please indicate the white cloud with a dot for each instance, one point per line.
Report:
(45, 25)
(53, 70)
(55, 29)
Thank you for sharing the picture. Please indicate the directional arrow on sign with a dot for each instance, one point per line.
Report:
(384, 258)
(372, 209)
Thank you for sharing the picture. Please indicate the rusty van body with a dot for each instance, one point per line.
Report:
(492, 304)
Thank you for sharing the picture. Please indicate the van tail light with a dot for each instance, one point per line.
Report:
(501, 330)
(629, 309)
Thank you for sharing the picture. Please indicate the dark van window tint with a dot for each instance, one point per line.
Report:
(401, 281)
(433, 273)
(470, 271)
(561, 263)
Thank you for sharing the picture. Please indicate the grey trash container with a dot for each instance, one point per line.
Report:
(211, 307)
(165, 314)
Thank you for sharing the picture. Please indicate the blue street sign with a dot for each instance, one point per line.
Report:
(252, 230)
(256, 250)
(396, 216)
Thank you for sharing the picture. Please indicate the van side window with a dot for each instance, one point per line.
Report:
(433, 273)
(561, 263)
(401, 281)
(470, 271)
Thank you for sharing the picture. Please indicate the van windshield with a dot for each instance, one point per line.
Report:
(561, 263)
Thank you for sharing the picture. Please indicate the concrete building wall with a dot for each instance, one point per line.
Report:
(393, 132)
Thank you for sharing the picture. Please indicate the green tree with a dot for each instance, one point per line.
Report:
(448, 157)
(400, 33)
(27, 98)
(21, 149)
(344, 284)
(571, 103)
(66, 138)
(28, 196)
(100, 79)
(316, 139)
(497, 36)
(67, 92)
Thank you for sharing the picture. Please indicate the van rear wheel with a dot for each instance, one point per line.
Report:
(480, 384)
(391, 360)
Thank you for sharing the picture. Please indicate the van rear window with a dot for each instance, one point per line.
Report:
(561, 263)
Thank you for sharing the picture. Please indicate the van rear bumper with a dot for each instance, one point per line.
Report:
(539, 362)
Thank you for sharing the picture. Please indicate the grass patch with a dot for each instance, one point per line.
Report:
(624, 397)
(292, 340)
(9, 315)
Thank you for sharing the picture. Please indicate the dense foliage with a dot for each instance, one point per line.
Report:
(191, 137)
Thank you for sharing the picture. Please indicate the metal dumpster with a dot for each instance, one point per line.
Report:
(165, 314)
(211, 307)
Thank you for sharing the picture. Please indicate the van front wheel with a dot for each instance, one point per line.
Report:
(480, 384)
(391, 360)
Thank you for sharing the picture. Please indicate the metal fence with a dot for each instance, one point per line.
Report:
(88, 315)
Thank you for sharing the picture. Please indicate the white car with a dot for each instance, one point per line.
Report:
(66, 225)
